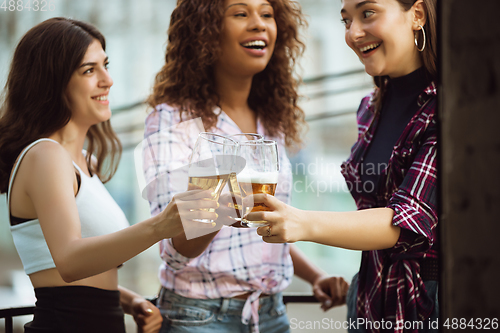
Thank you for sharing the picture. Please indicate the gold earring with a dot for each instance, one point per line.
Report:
(416, 42)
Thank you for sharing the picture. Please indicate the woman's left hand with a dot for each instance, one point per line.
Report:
(330, 291)
(146, 315)
(286, 224)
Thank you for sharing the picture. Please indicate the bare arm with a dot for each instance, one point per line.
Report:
(193, 247)
(49, 185)
(369, 229)
(302, 266)
(329, 290)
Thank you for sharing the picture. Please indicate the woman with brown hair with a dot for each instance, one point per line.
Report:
(391, 173)
(230, 64)
(69, 232)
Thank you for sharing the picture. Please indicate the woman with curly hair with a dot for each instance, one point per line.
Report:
(70, 234)
(229, 63)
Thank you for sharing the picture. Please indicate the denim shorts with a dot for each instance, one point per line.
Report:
(220, 315)
(432, 291)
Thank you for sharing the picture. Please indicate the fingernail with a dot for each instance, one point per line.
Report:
(149, 311)
(328, 303)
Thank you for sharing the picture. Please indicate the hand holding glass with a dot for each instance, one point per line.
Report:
(210, 165)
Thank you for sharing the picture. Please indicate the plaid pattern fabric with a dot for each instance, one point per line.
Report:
(390, 286)
(237, 261)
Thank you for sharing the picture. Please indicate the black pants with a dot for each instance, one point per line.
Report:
(77, 309)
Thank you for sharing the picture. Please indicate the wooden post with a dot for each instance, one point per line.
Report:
(469, 151)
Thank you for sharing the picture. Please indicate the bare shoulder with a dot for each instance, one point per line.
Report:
(45, 170)
(47, 152)
(46, 158)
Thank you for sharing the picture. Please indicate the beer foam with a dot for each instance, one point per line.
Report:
(248, 176)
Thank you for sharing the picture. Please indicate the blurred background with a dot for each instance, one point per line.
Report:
(135, 31)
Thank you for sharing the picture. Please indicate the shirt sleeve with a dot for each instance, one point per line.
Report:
(167, 147)
(415, 201)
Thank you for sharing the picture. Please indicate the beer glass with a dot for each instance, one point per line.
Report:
(260, 175)
(234, 188)
(210, 165)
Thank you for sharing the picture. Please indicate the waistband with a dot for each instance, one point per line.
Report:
(221, 306)
(77, 297)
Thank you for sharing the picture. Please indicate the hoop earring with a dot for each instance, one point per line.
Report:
(416, 42)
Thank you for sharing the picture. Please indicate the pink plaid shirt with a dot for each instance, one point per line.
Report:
(237, 261)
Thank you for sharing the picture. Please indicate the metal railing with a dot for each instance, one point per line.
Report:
(9, 313)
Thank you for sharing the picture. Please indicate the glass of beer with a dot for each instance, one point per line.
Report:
(260, 175)
(234, 188)
(210, 165)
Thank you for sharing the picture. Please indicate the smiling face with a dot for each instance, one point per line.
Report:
(381, 33)
(88, 88)
(248, 37)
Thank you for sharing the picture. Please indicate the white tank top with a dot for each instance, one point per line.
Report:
(98, 211)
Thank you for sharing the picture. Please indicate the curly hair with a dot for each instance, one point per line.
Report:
(187, 78)
(35, 103)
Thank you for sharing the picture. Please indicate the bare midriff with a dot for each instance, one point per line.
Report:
(51, 278)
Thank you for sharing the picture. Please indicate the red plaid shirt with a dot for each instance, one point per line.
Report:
(390, 286)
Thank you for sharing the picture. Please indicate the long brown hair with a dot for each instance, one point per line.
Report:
(428, 56)
(35, 103)
(187, 80)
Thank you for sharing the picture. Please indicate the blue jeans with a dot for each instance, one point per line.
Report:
(432, 291)
(221, 315)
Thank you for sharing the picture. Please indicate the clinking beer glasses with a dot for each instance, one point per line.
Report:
(211, 163)
(260, 175)
(234, 188)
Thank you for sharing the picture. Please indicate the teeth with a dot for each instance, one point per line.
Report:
(101, 98)
(255, 43)
(369, 47)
